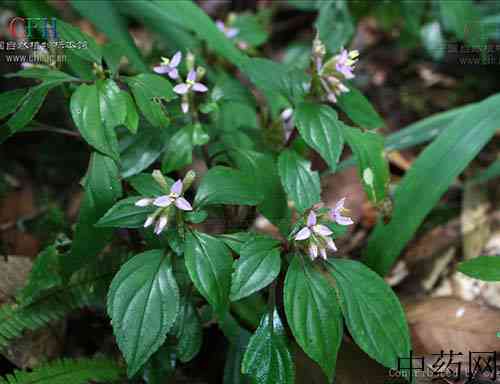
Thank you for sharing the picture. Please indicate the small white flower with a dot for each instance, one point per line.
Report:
(320, 241)
(228, 31)
(169, 66)
(336, 213)
(174, 197)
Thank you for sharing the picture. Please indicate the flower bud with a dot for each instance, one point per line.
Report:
(160, 179)
(190, 61)
(319, 49)
(188, 180)
(200, 72)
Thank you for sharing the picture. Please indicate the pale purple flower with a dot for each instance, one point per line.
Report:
(190, 83)
(169, 66)
(287, 119)
(174, 198)
(344, 63)
(336, 213)
(164, 202)
(228, 31)
(318, 236)
(312, 227)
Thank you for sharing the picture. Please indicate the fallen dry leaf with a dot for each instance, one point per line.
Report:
(13, 274)
(448, 323)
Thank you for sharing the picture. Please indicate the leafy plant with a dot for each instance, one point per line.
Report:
(190, 255)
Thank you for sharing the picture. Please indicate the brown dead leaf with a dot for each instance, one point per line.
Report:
(16, 205)
(13, 274)
(448, 323)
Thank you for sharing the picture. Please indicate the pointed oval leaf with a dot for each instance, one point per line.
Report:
(320, 128)
(257, 267)
(125, 214)
(300, 183)
(143, 303)
(85, 110)
(373, 168)
(267, 358)
(485, 268)
(372, 312)
(313, 313)
(223, 185)
(209, 265)
(188, 332)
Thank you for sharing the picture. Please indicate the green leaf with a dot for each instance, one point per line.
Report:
(372, 312)
(373, 168)
(232, 367)
(77, 371)
(112, 103)
(187, 331)
(143, 303)
(259, 264)
(10, 100)
(187, 14)
(105, 16)
(67, 32)
(359, 109)
(223, 185)
(146, 185)
(271, 76)
(263, 170)
(148, 91)
(424, 130)
(179, 152)
(429, 177)
(458, 17)
(112, 56)
(86, 107)
(102, 189)
(235, 241)
(250, 30)
(334, 24)
(433, 40)
(132, 116)
(161, 366)
(267, 358)
(300, 183)
(486, 268)
(138, 151)
(27, 108)
(313, 313)
(490, 173)
(125, 214)
(45, 274)
(45, 74)
(320, 128)
(209, 265)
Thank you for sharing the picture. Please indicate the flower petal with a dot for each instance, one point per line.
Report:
(149, 221)
(343, 220)
(161, 224)
(340, 204)
(220, 25)
(331, 244)
(303, 234)
(322, 230)
(181, 89)
(311, 219)
(161, 69)
(185, 107)
(176, 187)
(199, 87)
(232, 32)
(183, 204)
(313, 251)
(143, 202)
(322, 253)
(191, 75)
(173, 73)
(162, 201)
(176, 59)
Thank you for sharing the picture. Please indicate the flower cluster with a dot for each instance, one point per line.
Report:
(192, 84)
(338, 68)
(318, 236)
(165, 202)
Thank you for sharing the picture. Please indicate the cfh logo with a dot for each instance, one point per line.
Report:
(24, 27)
